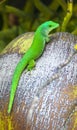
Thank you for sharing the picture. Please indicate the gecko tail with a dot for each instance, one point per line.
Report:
(18, 71)
(9, 108)
(12, 95)
(14, 85)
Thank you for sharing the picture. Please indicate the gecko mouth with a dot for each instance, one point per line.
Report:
(54, 27)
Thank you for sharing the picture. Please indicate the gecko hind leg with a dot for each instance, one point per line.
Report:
(31, 65)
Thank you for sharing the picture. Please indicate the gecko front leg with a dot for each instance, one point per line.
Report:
(47, 39)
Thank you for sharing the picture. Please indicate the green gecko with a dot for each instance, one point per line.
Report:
(28, 60)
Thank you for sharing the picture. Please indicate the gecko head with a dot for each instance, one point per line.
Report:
(48, 26)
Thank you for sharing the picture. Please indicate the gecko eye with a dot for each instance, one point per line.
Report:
(50, 25)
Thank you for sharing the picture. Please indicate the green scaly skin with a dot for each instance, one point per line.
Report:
(40, 38)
